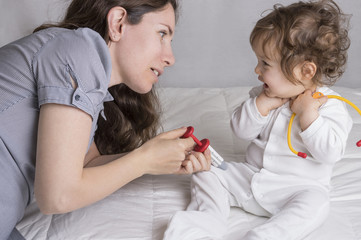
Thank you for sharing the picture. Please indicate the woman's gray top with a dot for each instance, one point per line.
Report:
(37, 70)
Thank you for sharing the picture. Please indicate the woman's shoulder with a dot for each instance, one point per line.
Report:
(73, 40)
(76, 37)
(82, 48)
(77, 59)
(56, 41)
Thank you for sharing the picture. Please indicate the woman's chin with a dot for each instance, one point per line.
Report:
(141, 89)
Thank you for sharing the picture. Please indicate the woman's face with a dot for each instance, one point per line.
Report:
(144, 50)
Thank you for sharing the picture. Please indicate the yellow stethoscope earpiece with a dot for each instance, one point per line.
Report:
(316, 95)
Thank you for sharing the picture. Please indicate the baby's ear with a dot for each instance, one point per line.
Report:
(308, 70)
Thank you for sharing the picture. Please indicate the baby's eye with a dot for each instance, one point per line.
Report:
(265, 63)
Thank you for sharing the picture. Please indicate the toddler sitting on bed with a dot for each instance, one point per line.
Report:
(301, 49)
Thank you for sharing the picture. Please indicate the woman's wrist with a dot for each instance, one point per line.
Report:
(138, 161)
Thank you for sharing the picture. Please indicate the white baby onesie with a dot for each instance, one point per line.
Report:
(273, 182)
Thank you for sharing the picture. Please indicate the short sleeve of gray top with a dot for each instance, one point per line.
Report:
(55, 65)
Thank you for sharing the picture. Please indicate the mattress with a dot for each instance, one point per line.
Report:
(142, 208)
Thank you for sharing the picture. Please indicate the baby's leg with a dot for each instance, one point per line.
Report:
(212, 195)
(206, 214)
(301, 215)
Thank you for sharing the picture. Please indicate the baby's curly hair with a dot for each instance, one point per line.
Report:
(315, 31)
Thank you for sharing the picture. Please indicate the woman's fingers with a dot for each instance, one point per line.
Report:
(173, 134)
(186, 143)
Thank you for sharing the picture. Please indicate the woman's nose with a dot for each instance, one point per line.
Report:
(168, 57)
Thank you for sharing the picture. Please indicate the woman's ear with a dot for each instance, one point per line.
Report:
(308, 70)
(116, 18)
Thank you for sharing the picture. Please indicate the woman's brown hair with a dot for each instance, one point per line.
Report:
(315, 31)
(132, 118)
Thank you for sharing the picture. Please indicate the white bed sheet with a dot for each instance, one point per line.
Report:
(141, 209)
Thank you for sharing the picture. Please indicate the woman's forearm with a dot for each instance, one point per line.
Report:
(103, 159)
(101, 177)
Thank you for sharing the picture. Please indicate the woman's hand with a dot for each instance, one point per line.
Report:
(265, 104)
(165, 153)
(306, 108)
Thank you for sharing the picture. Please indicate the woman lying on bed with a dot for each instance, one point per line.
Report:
(54, 88)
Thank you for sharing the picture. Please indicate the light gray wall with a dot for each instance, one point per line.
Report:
(212, 48)
(19, 17)
(211, 40)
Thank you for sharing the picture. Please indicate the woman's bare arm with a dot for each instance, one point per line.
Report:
(62, 184)
(93, 157)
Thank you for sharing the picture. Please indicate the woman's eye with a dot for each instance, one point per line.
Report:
(162, 34)
(265, 63)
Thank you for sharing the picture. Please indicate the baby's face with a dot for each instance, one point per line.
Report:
(269, 71)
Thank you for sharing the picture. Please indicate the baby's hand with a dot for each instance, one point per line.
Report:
(265, 104)
(306, 107)
(196, 162)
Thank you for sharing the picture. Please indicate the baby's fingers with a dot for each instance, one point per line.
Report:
(186, 167)
(200, 161)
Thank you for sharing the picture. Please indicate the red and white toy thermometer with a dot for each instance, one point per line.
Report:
(202, 145)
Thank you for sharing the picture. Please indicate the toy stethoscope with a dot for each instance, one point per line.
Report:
(202, 145)
(316, 95)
